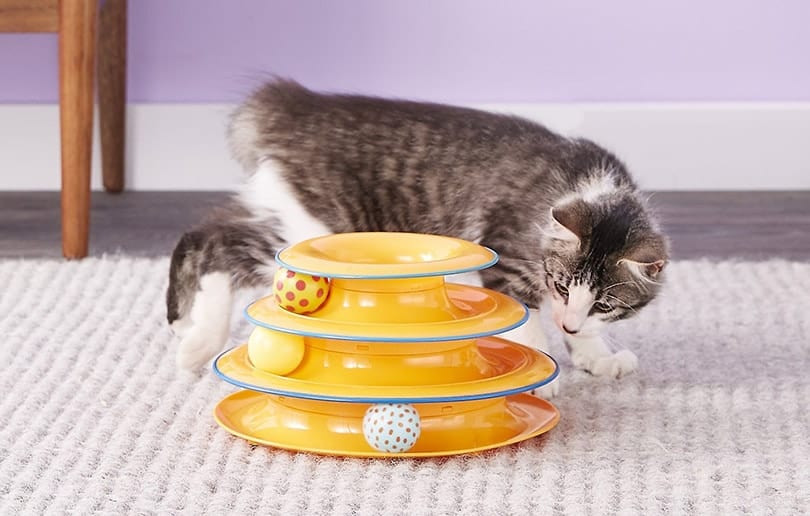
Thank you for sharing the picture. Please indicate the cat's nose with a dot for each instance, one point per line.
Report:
(569, 331)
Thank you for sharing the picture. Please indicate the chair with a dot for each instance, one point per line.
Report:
(85, 28)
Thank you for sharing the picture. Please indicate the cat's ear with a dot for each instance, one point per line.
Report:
(647, 258)
(647, 271)
(569, 221)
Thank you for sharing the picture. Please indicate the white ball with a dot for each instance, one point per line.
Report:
(391, 427)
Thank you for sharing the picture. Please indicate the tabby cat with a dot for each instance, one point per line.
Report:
(565, 216)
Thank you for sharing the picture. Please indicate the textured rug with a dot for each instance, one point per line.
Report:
(94, 417)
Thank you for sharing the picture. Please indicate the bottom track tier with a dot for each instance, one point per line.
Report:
(334, 428)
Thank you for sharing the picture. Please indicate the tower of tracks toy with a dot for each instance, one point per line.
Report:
(364, 350)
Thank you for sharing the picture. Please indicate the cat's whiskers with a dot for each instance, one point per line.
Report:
(617, 285)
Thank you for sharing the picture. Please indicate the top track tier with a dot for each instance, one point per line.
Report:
(385, 256)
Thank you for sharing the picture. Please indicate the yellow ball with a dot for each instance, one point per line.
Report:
(275, 352)
(299, 293)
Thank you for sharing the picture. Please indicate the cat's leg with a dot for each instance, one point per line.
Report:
(208, 324)
(537, 339)
(208, 266)
(235, 251)
(510, 278)
(531, 334)
(592, 354)
(467, 278)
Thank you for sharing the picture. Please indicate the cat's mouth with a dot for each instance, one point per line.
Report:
(579, 333)
(569, 331)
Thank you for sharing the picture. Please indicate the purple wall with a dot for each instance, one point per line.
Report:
(450, 50)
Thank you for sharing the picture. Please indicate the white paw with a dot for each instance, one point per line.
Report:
(548, 391)
(204, 332)
(181, 326)
(582, 361)
(616, 365)
(197, 347)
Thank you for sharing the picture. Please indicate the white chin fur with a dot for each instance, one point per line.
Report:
(205, 330)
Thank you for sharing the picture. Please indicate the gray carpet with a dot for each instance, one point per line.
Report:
(94, 417)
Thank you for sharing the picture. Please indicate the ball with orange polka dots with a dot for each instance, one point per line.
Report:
(391, 427)
(299, 293)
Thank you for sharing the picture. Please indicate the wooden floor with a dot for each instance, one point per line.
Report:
(748, 225)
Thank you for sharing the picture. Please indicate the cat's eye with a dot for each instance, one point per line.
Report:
(561, 289)
(603, 307)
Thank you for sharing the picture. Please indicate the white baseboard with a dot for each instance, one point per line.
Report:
(169, 147)
(739, 146)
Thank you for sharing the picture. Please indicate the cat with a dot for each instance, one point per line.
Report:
(567, 219)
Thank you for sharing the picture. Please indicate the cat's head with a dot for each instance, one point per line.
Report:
(604, 260)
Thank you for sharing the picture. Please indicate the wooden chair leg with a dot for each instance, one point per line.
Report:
(112, 88)
(77, 45)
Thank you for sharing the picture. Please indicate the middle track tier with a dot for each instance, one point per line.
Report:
(398, 310)
(375, 372)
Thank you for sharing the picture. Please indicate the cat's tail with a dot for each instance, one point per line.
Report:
(183, 279)
(257, 125)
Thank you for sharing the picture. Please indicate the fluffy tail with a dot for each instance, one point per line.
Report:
(184, 278)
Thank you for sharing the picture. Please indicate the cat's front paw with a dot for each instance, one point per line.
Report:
(197, 347)
(616, 365)
(181, 326)
(592, 354)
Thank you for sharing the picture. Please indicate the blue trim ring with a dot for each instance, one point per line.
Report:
(403, 399)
